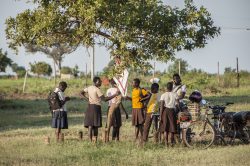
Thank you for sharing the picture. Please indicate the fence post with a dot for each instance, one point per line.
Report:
(238, 74)
(218, 72)
(25, 78)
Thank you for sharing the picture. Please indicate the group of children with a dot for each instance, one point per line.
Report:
(145, 104)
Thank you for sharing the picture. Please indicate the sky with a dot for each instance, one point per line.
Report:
(233, 16)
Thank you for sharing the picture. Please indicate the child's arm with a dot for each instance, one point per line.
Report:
(145, 98)
(82, 95)
(128, 98)
(122, 107)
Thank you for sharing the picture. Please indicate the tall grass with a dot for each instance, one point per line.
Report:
(24, 125)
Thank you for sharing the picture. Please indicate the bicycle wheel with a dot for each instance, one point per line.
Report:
(228, 132)
(199, 134)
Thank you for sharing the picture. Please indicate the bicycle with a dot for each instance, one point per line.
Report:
(225, 128)
(199, 133)
(223, 124)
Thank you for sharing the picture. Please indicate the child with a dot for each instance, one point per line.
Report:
(152, 107)
(114, 114)
(59, 113)
(93, 115)
(167, 117)
(137, 107)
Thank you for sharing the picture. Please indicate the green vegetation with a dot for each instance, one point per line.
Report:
(133, 31)
(19, 70)
(41, 68)
(25, 124)
(4, 60)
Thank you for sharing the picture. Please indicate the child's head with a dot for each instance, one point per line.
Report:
(97, 81)
(63, 85)
(176, 79)
(169, 86)
(154, 88)
(136, 83)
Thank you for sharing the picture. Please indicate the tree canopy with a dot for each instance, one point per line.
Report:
(134, 31)
(41, 68)
(4, 60)
(66, 70)
(20, 70)
(56, 51)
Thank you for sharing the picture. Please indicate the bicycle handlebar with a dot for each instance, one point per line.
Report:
(229, 103)
(218, 109)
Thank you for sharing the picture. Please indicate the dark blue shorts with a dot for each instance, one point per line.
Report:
(59, 120)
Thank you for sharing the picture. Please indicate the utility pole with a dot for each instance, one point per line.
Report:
(86, 75)
(54, 74)
(93, 63)
(154, 70)
(218, 72)
(179, 67)
(238, 74)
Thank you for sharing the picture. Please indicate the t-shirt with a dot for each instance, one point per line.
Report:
(94, 94)
(111, 92)
(136, 97)
(61, 97)
(169, 99)
(179, 89)
(153, 104)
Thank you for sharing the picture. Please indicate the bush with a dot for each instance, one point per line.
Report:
(66, 70)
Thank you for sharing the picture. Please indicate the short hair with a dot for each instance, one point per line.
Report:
(176, 75)
(63, 84)
(137, 80)
(155, 86)
(95, 79)
(170, 86)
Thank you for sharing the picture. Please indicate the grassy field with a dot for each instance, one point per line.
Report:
(25, 123)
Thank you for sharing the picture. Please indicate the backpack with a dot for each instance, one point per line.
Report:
(54, 101)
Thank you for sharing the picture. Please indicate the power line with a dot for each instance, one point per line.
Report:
(235, 28)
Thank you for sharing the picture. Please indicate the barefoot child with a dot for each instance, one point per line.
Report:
(93, 115)
(137, 107)
(114, 112)
(152, 107)
(57, 106)
(167, 117)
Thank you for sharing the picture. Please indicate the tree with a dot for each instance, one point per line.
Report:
(75, 71)
(174, 68)
(66, 70)
(41, 68)
(109, 69)
(229, 70)
(4, 60)
(134, 31)
(55, 51)
(20, 70)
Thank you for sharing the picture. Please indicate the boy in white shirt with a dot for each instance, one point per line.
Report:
(167, 117)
